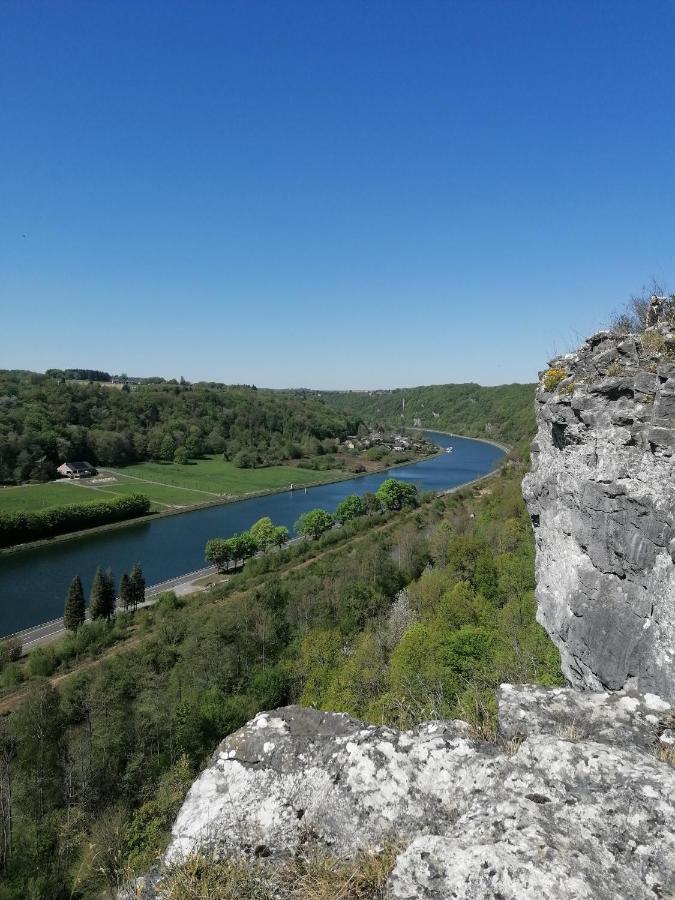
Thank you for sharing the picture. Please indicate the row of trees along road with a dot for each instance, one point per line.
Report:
(392, 495)
(103, 596)
(260, 537)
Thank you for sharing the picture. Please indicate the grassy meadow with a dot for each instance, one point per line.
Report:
(166, 485)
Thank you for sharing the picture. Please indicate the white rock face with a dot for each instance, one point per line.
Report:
(592, 817)
(601, 494)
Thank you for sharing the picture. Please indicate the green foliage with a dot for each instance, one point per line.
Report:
(181, 456)
(363, 627)
(504, 413)
(18, 528)
(351, 508)
(102, 596)
(262, 533)
(44, 422)
(73, 614)
(313, 523)
(219, 552)
(394, 494)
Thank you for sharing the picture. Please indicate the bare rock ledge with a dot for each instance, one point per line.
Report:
(574, 804)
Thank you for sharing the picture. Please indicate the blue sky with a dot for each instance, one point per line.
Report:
(329, 194)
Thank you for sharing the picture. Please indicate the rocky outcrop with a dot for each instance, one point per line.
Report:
(575, 804)
(601, 494)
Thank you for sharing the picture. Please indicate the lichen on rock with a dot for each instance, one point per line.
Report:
(553, 813)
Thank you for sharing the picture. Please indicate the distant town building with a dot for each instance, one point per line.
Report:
(77, 470)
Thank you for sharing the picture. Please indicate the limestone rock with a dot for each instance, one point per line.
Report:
(601, 495)
(567, 813)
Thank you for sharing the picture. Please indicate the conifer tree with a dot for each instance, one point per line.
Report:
(126, 592)
(97, 597)
(73, 613)
(137, 586)
(110, 594)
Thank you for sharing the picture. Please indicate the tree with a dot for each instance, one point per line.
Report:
(73, 613)
(314, 523)
(181, 456)
(126, 592)
(394, 494)
(351, 508)
(137, 586)
(280, 536)
(97, 596)
(167, 448)
(242, 546)
(262, 533)
(110, 594)
(219, 552)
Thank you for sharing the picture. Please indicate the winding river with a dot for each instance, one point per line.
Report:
(33, 583)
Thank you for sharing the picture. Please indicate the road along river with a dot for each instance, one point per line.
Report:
(34, 582)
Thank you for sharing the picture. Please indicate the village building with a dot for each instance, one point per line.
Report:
(77, 470)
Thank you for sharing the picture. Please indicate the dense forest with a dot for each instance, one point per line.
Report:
(46, 420)
(503, 413)
(405, 616)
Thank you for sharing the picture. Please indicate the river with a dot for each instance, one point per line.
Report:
(33, 583)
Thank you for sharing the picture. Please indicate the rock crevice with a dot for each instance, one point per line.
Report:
(574, 804)
(601, 494)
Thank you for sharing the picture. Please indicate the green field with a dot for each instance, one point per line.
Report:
(165, 484)
(215, 477)
(34, 497)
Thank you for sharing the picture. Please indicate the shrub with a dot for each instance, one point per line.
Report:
(552, 378)
(10, 651)
(18, 528)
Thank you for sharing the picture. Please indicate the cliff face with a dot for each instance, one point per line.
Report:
(601, 494)
(582, 808)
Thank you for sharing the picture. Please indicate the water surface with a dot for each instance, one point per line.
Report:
(33, 583)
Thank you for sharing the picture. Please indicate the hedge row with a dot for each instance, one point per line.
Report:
(18, 528)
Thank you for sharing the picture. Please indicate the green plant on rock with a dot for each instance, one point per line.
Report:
(568, 387)
(552, 378)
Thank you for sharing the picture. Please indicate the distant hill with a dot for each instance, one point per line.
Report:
(503, 413)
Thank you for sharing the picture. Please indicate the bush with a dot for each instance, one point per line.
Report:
(18, 528)
(10, 651)
(552, 378)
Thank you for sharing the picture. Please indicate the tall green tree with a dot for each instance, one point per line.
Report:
(351, 508)
(395, 494)
(280, 536)
(262, 533)
(73, 613)
(137, 586)
(97, 596)
(126, 592)
(219, 552)
(314, 523)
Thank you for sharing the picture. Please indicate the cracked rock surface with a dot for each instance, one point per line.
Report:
(555, 817)
(601, 494)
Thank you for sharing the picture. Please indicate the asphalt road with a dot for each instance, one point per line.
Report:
(50, 631)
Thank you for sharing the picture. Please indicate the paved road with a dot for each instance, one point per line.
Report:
(50, 631)
(182, 584)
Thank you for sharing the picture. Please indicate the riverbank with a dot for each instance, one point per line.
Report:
(33, 582)
(207, 504)
(181, 585)
(500, 446)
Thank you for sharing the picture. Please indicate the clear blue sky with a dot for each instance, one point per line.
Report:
(329, 194)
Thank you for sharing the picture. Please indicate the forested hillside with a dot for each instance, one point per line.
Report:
(45, 420)
(503, 413)
(411, 616)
